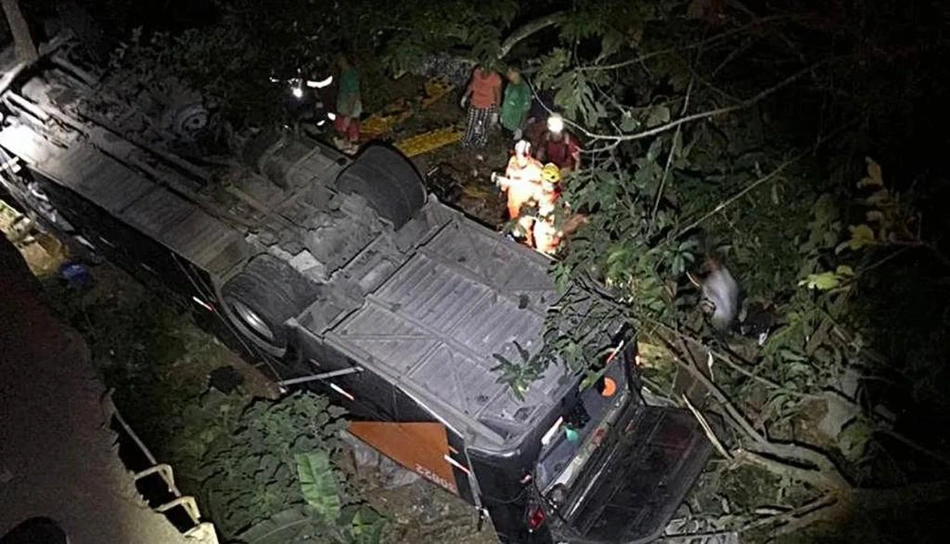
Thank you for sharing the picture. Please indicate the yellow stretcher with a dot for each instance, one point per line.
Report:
(378, 124)
(435, 89)
(427, 141)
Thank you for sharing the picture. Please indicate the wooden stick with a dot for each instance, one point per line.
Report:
(708, 429)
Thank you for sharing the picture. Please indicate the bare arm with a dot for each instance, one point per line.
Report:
(575, 153)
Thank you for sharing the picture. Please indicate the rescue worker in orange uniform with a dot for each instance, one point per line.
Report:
(521, 182)
(546, 236)
(549, 231)
(522, 179)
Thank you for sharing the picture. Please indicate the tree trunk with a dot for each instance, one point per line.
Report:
(25, 48)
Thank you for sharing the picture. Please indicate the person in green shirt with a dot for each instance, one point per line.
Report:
(516, 103)
(348, 104)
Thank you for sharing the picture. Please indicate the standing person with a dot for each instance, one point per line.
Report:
(484, 92)
(522, 182)
(550, 230)
(517, 103)
(522, 179)
(558, 146)
(546, 236)
(349, 107)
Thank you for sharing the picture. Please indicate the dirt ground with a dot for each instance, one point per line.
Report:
(480, 198)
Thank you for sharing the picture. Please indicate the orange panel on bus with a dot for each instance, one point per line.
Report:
(420, 447)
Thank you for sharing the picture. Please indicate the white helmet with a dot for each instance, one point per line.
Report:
(522, 148)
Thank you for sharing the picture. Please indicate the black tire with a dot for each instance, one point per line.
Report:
(263, 297)
(40, 530)
(388, 181)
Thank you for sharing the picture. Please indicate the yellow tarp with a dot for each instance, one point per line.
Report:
(384, 122)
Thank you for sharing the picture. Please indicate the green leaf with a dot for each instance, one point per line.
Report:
(652, 154)
(292, 525)
(318, 484)
(854, 437)
(861, 236)
(610, 43)
(525, 356)
(629, 123)
(875, 177)
(823, 282)
(502, 362)
(874, 216)
(562, 277)
(657, 116)
(844, 270)
(366, 526)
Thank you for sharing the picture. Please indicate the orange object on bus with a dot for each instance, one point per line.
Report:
(610, 387)
(422, 447)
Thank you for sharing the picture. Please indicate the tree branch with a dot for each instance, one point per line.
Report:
(784, 458)
(707, 429)
(669, 158)
(819, 504)
(824, 476)
(23, 42)
(716, 38)
(711, 113)
(882, 499)
(915, 446)
(778, 170)
(726, 358)
(738, 418)
(529, 28)
(823, 509)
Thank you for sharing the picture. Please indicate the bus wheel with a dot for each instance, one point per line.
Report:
(261, 298)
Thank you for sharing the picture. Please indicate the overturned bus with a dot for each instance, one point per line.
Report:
(342, 275)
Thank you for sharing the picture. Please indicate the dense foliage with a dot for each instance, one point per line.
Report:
(740, 130)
